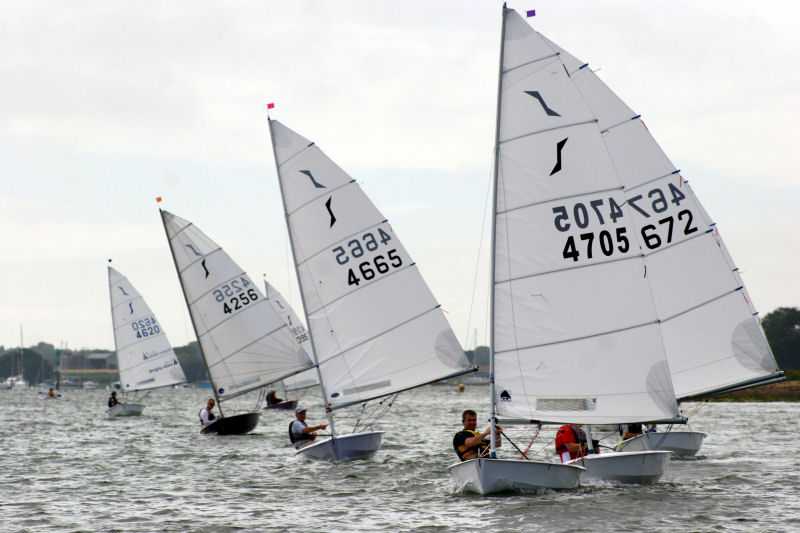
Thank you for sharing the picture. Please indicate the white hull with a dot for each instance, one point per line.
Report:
(126, 409)
(639, 467)
(344, 447)
(486, 476)
(682, 443)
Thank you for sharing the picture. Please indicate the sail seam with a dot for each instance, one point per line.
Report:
(326, 248)
(634, 187)
(554, 128)
(218, 324)
(381, 334)
(296, 154)
(327, 192)
(703, 304)
(202, 295)
(531, 62)
(577, 195)
(345, 295)
(528, 276)
(571, 339)
(620, 123)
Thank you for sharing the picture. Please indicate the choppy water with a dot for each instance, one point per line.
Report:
(65, 467)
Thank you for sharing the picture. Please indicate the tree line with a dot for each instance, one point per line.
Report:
(38, 364)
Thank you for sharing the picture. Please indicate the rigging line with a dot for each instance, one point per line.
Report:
(514, 445)
(478, 261)
(535, 436)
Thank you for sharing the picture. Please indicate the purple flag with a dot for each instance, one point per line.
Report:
(531, 13)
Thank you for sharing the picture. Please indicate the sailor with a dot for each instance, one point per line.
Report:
(112, 401)
(51, 394)
(468, 443)
(299, 433)
(272, 398)
(628, 431)
(571, 442)
(207, 413)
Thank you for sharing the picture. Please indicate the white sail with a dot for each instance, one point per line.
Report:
(375, 325)
(612, 288)
(146, 359)
(281, 306)
(245, 344)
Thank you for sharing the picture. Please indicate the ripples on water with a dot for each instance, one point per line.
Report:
(65, 467)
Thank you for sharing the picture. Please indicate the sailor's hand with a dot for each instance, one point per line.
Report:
(322, 426)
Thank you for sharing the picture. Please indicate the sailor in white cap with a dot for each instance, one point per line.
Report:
(299, 433)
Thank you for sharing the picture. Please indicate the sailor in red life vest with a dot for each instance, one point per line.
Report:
(571, 442)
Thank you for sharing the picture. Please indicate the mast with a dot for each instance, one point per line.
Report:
(302, 296)
(191, 317)
(493, 417)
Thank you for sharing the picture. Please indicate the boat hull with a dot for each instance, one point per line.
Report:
(232, 425)
(683, 444)
(638, 467)
(487, 476)
(287, 404)
(344, 447)
(126, 409)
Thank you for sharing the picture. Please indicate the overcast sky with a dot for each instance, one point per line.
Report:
(106, 105)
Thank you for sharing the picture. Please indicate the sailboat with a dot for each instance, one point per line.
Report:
(597, 242)
(146, 359)
(298, 381)
(244, 343)
(375, 328)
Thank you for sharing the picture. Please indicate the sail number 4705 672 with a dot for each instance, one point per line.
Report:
(371, 267)
(616, 240)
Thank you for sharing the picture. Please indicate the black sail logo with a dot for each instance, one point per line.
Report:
(559, 147)
(505, 396)
(330, 212)
(316, 184)
(547, 110)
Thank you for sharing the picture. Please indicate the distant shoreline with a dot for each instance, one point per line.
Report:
(784, 391)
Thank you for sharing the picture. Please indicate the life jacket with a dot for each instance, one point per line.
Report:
(294, 438)
(465, 452)
(579, 437)
(211, 416)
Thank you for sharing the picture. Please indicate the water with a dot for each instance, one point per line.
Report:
(65, 467)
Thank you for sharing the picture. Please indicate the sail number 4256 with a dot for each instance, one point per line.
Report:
(234, 295)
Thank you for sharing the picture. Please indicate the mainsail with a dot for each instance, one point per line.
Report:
(375, 326)
(612, 290)
(145, 357)
(244, 342)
